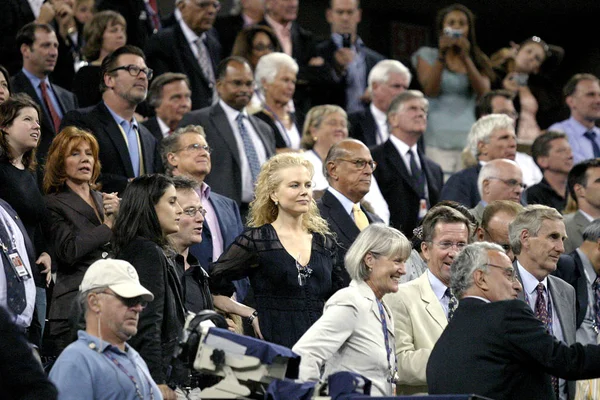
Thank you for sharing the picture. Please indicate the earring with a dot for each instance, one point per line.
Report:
(315, 138)
(276, 203)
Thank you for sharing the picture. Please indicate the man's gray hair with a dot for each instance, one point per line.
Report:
(473, 257)
(269, 65)
(170, 144)
(82, 299)
(491, 170)
(336, 152)
(592, 232)
(482, 130)
(382, 70)
(530, 219)
(405, 97)
(379, 240)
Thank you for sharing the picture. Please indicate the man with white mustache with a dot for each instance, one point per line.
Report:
(536, 238)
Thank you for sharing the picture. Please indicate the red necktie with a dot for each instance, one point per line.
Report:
(51, 109)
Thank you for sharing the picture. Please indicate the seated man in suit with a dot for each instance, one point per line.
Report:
(348, 182)
(490, 138)
(536, 238)
(582, 182)
(186, 153)
(127, 148)
(410, 182)
(241, 142)
(171, 98)
(190, 47)
(493, 228)
(421, 308)
(39, 50)
(387, 79)
(499, 179)
(495, 346)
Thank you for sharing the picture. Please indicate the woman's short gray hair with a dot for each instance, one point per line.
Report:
(379, 240)
(269, 65)
(530, 219)
(482, 130)
(473, 257)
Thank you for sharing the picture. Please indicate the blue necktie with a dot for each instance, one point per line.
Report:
(15, 288)
(417, 174)
(134, 150)
(591, 136)
(248, 148)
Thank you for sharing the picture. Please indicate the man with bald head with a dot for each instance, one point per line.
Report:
(497, 215)
(499, 179)
(348, 168)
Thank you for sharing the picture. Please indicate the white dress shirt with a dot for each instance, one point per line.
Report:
(381, 121)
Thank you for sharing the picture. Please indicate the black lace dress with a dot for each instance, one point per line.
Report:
(285, 309)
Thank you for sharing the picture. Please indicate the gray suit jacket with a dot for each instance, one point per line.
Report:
(563, 300)
(477, 211)
(227, 178)
(575, 224)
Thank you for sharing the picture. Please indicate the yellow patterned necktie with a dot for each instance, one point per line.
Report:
(360, 219)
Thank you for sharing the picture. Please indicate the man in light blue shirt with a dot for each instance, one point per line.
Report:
(100, 364)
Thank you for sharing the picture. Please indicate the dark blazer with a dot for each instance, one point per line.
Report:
(77, 238)
(500, 350)
(15, 14)
(169, 51)
(227, 179)
(341, 224)
(161, 322)
(462, 187)
(114, 154)
(399, 189)
(21, 376)
(139, 24)
(570, 269)
(66, 100)
(228, 27)
(334, 91)
(363, 127)
(152, 125)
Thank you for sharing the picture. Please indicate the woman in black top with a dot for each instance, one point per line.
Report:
(19, 137)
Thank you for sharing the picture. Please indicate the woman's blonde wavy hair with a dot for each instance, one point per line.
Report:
(264, 211)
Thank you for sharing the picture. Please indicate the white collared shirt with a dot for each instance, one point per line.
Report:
(403, 149)
(259, 147)
(164, 129)
(381, 120)
(439, 289)
(346, 202)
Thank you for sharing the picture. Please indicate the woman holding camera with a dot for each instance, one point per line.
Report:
(452, 76)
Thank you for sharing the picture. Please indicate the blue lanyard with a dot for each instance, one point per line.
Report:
(388, 348)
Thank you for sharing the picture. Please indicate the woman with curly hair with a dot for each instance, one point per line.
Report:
(287, 252)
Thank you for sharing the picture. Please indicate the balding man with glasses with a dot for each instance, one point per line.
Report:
(127, 148)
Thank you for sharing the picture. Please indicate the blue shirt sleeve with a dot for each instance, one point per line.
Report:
(72, 376)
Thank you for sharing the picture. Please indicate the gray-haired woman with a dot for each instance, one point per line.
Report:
(356, 331)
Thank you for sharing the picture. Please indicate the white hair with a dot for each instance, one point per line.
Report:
(269, 65)
(382, 70)
(492, 169)
(482, 130)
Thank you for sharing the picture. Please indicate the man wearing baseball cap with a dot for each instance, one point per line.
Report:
(100, 364)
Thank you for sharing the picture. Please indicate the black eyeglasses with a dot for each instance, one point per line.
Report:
(263, 47)
(510, 182)
(361, 164)
(510, 273)
(191, 212)
(129, 302)
(134, 70)
(206, 4)
(196, 147)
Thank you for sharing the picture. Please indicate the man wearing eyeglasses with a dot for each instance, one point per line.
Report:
(499, 179)
(409, 180)
(191, 47)
(100, 364)
(422, 307)
(127, 148)
(494, 346)
(536, 238)
(493, 228)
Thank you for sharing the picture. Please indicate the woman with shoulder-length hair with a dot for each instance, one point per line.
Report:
(356, 331)
(148, 213)
(79, 221)
(287, 252)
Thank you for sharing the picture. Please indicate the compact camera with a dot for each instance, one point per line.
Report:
(520, 79)
(453, 33)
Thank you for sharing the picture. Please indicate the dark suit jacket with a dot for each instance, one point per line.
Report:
(462, 187)
(334, 91)
(341, 224)
(77, 238)
(363, 127)
(15, 14)
(500, 350)
(227, 178)
(152, 125)
(228, 27)
(114, 154)
(399, 189)
(570, 269)
(66, 100)
(161, 322)
(139, 24)
(169, 51)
